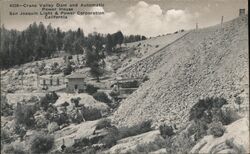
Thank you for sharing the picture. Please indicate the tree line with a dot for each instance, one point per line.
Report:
(39, 41)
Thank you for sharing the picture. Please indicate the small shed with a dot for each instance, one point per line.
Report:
(241, 12)
(75, 83)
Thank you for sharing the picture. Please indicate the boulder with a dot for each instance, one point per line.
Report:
(74, 133)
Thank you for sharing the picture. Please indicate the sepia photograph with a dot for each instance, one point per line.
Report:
(124, 76)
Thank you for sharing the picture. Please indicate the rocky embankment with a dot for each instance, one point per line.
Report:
(208, 62)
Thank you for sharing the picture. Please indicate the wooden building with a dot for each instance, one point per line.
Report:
(75, 83)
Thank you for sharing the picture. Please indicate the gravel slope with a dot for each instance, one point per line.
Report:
(207, 62)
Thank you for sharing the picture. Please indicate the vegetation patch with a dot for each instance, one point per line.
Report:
(102, 97)
(41, 143)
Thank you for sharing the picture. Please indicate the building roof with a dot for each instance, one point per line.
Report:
(76, 76)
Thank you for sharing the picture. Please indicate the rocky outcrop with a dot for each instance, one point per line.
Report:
(130, 143)
(234, 140)
(85, 100)
(73, 132)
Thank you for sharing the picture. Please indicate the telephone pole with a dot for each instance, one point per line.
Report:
(221, 21)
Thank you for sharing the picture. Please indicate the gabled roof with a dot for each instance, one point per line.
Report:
(76, 76)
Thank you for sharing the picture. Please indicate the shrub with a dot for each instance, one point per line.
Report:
(166, 130)
(182, 143)
(198, 129)
(75, 101)
(91, 113)
(91, 89)
(103, 123)
(41, 121)
(202, 109)
(228, 116)
(5, 136)
(83, 142)
(140, 128)
(132, 84)
(41, 143)
(145, 78)
(102, 97)
(110, 139)
(21, 131)
(6, 109)
(216, 129)
(236, 147)
(61, 119)
(68, 70)
(70, 57)
(55, 65)
(50, 98)
(24, 114)
(238, 101)
(14, 148)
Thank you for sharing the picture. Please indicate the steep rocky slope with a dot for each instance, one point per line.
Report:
(206, 62)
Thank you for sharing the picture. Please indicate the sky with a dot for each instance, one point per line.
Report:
(144, 17)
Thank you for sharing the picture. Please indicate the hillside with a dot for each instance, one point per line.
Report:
(205, 62)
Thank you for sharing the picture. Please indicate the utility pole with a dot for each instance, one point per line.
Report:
(197, 26)
(221, 21)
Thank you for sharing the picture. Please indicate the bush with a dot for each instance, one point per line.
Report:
(198, 129)
(202, 109)
(110, 139)
(91, 89)
(216, 129)
(140, 128)
(182, 143)
(19, 130)
(70, 57)
(238, 101)
(102, 97)
(5, 136)
(237, 148)
(14, 148)
(6, 109)
(68, 70)
(103, 123)
(145, 78)
(55, 65)
(41, 143)
(75, 101)
(91, 113)
(24, 114)
(228, 116)
(166, 130)
(50, 98)
(41, 121)
(61, 119)
(132, 84)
